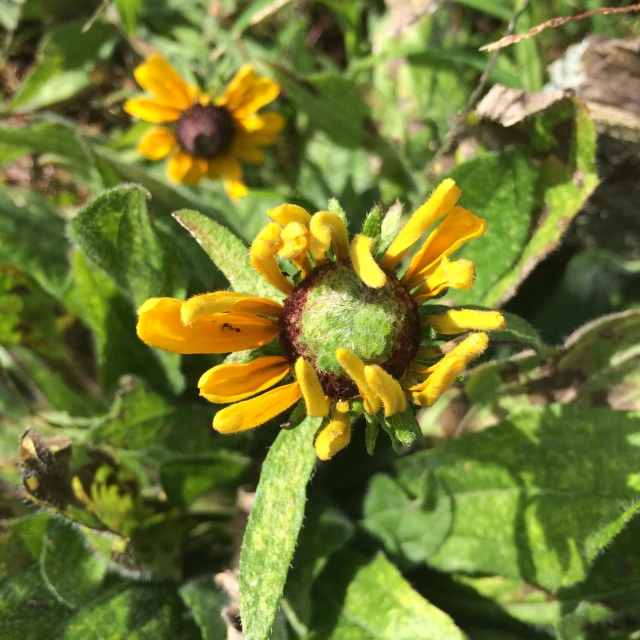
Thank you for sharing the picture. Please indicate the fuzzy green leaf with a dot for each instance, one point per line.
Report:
(64, 64)
(206, 602)
(359, 599)
(228, 253)
(326, 531)
(499, 188)
(116, 233)
(372, 226)
(273, 527)
(614, 577)
(187, 477)
(566, 189)
(401, 523)
(517, 330)
(133, 611)
(60, 141)
(112, 320)
(32, 239)
(537, 497)
(70, 569)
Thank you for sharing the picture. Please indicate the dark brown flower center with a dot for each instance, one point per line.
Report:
(332, 308)
(204, 131)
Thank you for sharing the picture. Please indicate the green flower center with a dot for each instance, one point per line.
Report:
(333, 308)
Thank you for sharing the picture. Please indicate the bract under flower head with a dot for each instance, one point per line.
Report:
(349, 336)
(204, 138)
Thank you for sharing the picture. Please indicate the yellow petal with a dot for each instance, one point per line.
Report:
(263, 128)
(150, 110)
(436, 207)
(235, 189)
(295, 241)
(263, 253)
(312, 391)
(225, 166)
(228, 168)
(456, 229)
(260, 93)
(157, 76)
(160, 325)
(179, 166)
(334, 437)
(227, 301)
(354, 368)
(286, 213)
(387, 388)
(248, 152)
(237, 87)
(458, 274)
(157, 143)
(364, 264)
(252, 413)
(461, 320)
(444, 373)
(232, 382)
(328, 230)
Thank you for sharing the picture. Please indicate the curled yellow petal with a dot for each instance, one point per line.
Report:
(227, 301)
(232, 382)
(364, 264)
(455, 230)
(387, 388)
(312, 391)
(249, 414)
(150, 110)
(295, 241)
(263, 257)
(160, 325)
(443, 374)
(157, 143)
(354, 368)
(328, 230)
(436, 207)
(461, 320)
(334, 437)
(159, 77)
(286, 213)
(458, 274)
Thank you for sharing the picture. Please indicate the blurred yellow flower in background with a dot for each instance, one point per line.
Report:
(207, 138)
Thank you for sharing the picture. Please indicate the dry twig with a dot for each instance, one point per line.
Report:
(508, 40)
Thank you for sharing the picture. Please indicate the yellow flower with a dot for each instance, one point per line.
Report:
(206, 138)
(350, 334)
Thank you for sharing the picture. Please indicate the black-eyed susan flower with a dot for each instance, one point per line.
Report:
(355, 334)
(204, 137)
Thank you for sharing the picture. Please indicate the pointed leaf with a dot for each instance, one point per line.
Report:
(364, 599)
(273, 527)
(228, 253)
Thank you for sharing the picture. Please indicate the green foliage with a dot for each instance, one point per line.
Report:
(274, 523)
(500, 189)
(378, 603)
(565, 191)
(507, 511)
(228, 254)
(523, 508)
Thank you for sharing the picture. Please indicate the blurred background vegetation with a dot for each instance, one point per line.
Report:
(372, 92)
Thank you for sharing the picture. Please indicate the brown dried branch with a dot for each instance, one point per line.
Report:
(556, 22)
